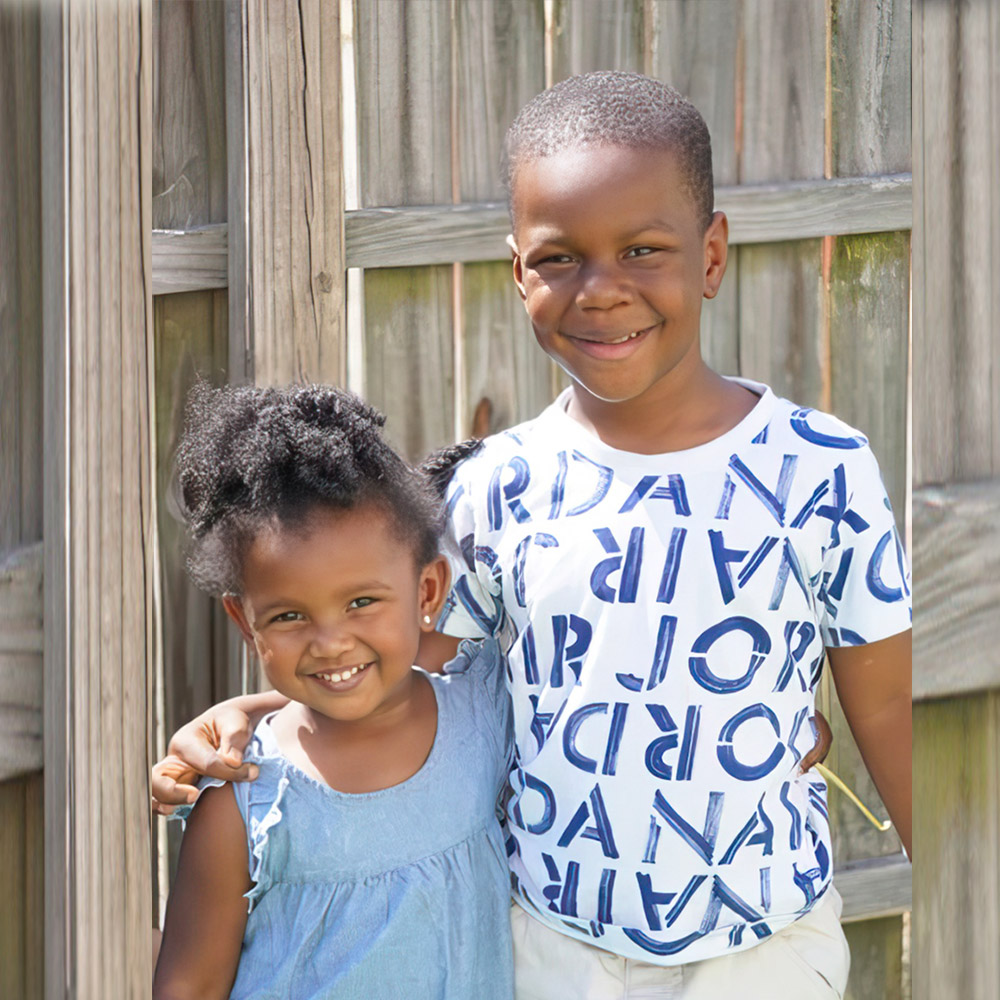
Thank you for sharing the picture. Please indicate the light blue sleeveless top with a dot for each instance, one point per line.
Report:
(402, 892)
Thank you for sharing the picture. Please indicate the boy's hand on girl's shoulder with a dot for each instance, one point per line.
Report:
(210, 745)
(824, 740)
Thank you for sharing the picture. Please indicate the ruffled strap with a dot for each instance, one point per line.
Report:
(259, 803)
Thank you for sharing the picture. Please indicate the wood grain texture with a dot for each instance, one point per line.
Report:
(877, 948)
(190, 259)
(98, 516)
(875, 887)
(499, 53)
(21, 477)
(403, 55)
(956, 626)
(956, 890)
(956, 306)
(21, 661)
(189, 114)
(956, 252)
(759, 213)
(20, 280)
(695, 47)
(590, 36)
(293, 222)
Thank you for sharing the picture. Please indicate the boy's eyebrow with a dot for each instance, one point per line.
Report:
(544, 234)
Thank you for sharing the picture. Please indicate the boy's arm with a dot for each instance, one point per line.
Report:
(206, 912)
(874, 685)
(211, 744)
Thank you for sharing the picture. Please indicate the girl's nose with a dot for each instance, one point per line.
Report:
(602, 286)
(329, 641)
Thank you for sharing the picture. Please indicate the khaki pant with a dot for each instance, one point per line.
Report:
(806, 960)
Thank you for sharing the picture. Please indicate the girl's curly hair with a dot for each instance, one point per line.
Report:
(254, 456)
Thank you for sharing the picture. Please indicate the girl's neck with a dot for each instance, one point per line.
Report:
(377, 751)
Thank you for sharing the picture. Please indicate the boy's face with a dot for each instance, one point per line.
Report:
(612, 260)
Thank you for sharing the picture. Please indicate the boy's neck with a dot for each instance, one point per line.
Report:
(700, 409)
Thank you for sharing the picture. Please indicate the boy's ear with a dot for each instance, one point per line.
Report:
(716, 251)
(518, 267)
(435, 580)
(234, 608)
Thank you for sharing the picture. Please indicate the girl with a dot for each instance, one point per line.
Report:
(366, 860)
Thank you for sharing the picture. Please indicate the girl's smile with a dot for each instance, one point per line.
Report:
(334, 609)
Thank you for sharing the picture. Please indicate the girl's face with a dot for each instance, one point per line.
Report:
(335, 610)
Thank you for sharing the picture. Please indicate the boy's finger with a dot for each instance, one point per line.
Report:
(824, 740)
(219, 767)
(169, 792)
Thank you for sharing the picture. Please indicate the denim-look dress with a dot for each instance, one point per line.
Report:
(398, 893)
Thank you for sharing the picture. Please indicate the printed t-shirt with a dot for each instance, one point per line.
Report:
(664, 619)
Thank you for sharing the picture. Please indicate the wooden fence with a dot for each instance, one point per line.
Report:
(326, 205)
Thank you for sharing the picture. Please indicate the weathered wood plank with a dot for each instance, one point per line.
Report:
(696, 47)
(876, 948)
(406, 236)
(499, 54)
(956, 628)
(760, 213)
(188, 260)
(292, 245)
(590, 36)
(403, 55)
(98, 517)
(874, 888)
(189, 114)
(20, 280)
(956, 925)
(21, 661)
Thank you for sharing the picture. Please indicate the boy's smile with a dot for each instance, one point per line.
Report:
(612, 261)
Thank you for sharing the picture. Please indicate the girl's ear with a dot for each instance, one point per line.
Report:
(435, 579)
(234, 608)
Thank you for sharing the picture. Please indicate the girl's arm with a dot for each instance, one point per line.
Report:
(874, 685)
(211, 744)
(206, 912)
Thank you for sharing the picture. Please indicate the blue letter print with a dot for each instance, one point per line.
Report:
(749, 772)
(699, 664)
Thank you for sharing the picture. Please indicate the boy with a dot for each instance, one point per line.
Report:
(665, 553)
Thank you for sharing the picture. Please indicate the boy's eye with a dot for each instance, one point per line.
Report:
(361, 602)
(640, 251)
(555, 258)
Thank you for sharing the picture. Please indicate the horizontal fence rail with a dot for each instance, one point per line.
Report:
(412, 236)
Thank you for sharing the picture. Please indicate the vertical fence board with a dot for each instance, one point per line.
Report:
(98, 588)
(589, 36)
(21, 943)
(189, 114)
(868, 302)
(781, 337)
(696, 49)
(403, 58)
(956, 309)
(294, 232)
(500, 55)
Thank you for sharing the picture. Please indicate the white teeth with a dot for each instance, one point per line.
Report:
(628, 336)
(337, 678)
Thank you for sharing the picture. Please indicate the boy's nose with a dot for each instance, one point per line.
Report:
(602, 286)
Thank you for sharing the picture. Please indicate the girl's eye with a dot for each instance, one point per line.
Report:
(361, 602)
(286, 616)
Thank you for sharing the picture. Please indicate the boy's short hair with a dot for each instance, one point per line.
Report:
(616, 109)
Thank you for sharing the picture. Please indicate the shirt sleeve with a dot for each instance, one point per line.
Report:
(864, 587)
(473, 608)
